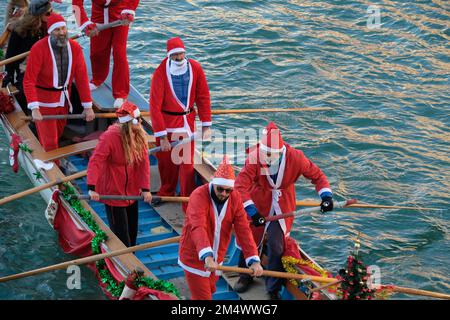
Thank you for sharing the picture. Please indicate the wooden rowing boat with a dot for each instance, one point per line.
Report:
(154, 223)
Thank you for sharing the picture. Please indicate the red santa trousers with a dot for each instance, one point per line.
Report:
(201, 288)
(101, 45)
(170, 172)
(49, 131)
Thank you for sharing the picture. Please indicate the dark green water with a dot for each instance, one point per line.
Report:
(385, 141)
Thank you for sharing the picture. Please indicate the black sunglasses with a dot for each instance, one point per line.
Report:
(48, 13)
(221, 189)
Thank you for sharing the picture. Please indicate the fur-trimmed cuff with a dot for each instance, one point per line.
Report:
(250, 260)
(33, 105)
(84, 25)
(204, 251)
(160, 133)
(87, 105)
(207, 124)
(128, 11)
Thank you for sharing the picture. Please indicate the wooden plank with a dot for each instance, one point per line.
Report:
(67, 151)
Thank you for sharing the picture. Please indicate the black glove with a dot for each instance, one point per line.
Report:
(327, 204)
(258, 220)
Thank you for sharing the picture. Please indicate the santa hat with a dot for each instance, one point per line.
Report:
(55, 21)
(271, 140)
(128, 112)
(224, 176)
(175, 45)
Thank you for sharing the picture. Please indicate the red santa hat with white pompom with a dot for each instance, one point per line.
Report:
(128, 112)
(224, 176)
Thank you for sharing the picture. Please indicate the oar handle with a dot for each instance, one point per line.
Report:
(336, 204)
(278, 274)
(123, 197)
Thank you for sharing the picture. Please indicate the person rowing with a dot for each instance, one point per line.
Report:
(267, 187)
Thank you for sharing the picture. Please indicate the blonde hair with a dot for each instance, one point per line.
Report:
(134, 141)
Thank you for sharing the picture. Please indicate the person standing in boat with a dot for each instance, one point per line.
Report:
(115, 39)
(14, 11)
(53, 64)
(267, 187)
(26, 32)
(177, 84)
(214, 210)
(120, 166)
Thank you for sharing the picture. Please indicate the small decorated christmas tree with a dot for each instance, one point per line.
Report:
(354, 278)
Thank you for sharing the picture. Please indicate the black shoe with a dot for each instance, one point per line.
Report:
(243, 284)
(274, 295)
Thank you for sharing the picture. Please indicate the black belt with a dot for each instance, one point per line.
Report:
(52, 88)
(178, 113)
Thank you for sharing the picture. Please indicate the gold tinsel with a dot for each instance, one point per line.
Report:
(290, 262)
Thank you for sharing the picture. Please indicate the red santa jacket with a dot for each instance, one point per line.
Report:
(163, 98)
(103, 11)
(257, 187)
(109, 172)
(206, 231)
(42, 71)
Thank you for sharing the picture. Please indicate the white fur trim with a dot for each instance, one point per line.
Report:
(324, 190)
(87, 105)
(267, 149)
(256, 258)
(207, 124)
(248, 202)
(175, 50)
(125, 119)
(203, 251)
(84, 25)
(136, 113)
(33, 105)
(128, 11)
(57, 25)
(223, 182)
(199, 272)
(160, 134)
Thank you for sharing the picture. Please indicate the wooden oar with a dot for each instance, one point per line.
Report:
(331, 281)
(90, 259)
(42, 187)
(112, 115)
(312, 203)
(25, 54)
(336, 204)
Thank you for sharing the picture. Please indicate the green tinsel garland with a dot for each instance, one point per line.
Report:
(2, 54)
(114, 288)
(25, 148)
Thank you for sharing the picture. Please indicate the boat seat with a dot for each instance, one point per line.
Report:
(67, 151)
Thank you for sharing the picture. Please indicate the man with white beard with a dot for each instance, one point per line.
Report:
(177, 84)
(267, 187)
(53, 64)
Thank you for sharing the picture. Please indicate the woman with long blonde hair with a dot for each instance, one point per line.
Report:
(120, 166)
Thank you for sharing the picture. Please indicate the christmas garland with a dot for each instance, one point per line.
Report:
(289, 265)
(114, 288)
(2, 54)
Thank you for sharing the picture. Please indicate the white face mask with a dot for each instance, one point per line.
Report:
(178, 67)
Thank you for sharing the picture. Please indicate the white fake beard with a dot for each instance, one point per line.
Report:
(178, 67)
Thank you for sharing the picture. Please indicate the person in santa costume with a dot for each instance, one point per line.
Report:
(214, 210)
(115, 39)
(177, 84)
(267, 187)
(53, 64)
(120, 166)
